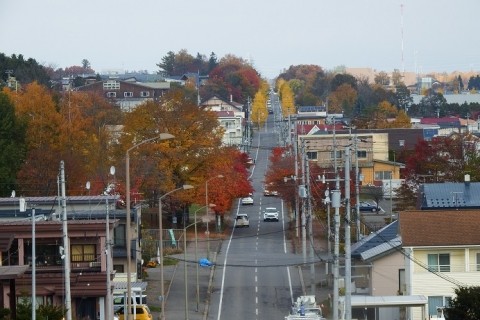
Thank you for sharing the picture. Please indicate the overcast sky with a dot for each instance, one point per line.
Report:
(440, 35)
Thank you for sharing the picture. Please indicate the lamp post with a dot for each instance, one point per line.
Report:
(206, 205)
(160, 240)
(161, 136)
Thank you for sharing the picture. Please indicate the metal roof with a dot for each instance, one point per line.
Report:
(376, 239)
(450, 195)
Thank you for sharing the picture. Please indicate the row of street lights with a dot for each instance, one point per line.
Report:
(164, 136)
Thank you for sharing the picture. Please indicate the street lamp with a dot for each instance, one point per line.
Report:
(206, 205)
(161, 136)
(160, 240)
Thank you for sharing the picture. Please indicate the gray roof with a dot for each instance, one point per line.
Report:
(377, 243)
(463, 195)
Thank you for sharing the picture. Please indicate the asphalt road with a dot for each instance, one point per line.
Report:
(252, 280)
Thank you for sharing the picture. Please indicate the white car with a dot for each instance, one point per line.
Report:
(270, 214)
(247, 201)
(241, 220)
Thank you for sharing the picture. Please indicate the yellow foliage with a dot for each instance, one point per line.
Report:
(259, 109)
(287, 100)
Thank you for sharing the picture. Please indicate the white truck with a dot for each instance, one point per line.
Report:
(305, 307)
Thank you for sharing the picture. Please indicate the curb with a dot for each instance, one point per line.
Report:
(209, 290)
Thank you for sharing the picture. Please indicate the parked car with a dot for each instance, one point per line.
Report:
(142, 313)
(368, 207)
(270, 214)
(119, 301)
(241, 220)
(247, 201)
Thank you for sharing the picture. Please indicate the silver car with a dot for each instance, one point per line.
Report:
(241, 220)
(270, 214)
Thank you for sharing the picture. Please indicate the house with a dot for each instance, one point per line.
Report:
(371, 150)
(86, 225)
(231, 118)
(127, 94)
(378, 270)
(442, 251)
(449, 195)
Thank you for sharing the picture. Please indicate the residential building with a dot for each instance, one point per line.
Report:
(442, 252)
(371, 149)
(231, 118)
(449, 195)
(88, 242)
(127, 94)
(378, 270)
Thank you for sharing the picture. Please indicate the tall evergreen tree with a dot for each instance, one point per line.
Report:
(12, 145)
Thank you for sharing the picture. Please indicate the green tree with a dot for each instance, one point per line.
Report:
(12, 144)
(212, 62)
(168, 63)
(85, 64)
(402, 98)
(465, 304)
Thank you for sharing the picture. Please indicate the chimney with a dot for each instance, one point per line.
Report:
(231, 98)
(467, 179)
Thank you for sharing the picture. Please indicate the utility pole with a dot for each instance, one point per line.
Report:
(348, 265)
(303, 194)
(357, 188)
(66, 244)
(310, 231)
(336, 204)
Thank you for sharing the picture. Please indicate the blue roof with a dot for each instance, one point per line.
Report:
(450, 195)
(382, 236)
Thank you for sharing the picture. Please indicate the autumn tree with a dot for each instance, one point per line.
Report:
(35, 107)
(443, 159)
(12, 144)
(342, 100)
(259, 111)
(233, 78)
(287, 100)
(282, 164)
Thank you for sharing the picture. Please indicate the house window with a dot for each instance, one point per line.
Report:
(111, 85)
(144, 94)
(118, 268)
(362, 154)
(401, 143)
(436, 305)
(402, 287)
(383, 175)
(119, 236)
(312, 155)
(439, 262)
(339, 154)
(478, 261)
(111, 94)
(83, 252)
(128, 94)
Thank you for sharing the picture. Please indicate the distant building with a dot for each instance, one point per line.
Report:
(127, 94)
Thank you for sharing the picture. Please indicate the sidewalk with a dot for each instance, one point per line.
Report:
(174, 283)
